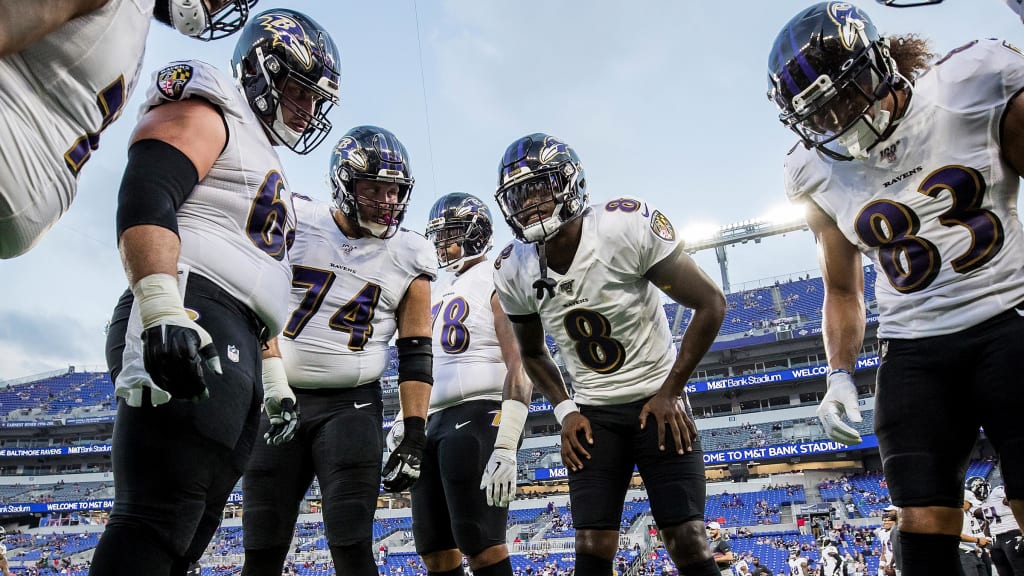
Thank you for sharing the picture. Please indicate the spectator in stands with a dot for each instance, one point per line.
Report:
(951, 285)
(206, 295)
(331, 356)
(478, 405)
(603, 307)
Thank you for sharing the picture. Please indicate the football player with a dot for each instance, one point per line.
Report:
(4, 568)
(916, 167)
(357, 277)
(831, 561)
(1007, 552)
(797, 563)
(908, 3)
(468, 474)
(67, 68)
(1016, 5)
(601, 268)
(204, 222)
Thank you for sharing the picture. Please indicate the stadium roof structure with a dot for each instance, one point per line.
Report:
(790, 220)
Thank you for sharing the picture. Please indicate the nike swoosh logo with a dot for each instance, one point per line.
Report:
(358, 405)
(461, 424)
(1019, 311)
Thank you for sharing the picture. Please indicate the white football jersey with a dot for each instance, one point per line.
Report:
(345, 292)
(830, 565)
(884, 538)
(935, 204)
(797, 566)
(236, 225)
(467, 357)
(56, 97)
(999, 515)
(606, 318)
(1017, 6)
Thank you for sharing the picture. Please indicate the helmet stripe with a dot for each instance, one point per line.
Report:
(805, 66)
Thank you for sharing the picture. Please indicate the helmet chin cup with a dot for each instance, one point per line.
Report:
(545, 229)
(189, 17)
(865, 133)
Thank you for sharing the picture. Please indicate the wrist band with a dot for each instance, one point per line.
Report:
(564, 408)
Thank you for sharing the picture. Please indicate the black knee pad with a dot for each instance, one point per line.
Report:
(499, 568)
(929, 554)
(457, 571)
(354, 559)
(587, 565)
(264, 561)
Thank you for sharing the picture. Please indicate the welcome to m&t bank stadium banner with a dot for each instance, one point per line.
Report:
(748, 454)
(76, 505)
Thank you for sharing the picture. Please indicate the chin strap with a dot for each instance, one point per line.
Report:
(545, 284)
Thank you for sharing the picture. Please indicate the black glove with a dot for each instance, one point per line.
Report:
(403, 466)
(174, 359)
(283, 422)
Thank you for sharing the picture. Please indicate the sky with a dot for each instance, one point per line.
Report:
(663, 100)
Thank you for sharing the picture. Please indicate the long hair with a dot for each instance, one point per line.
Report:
(912, 53)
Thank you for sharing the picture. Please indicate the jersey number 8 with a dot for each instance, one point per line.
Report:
(594, 345)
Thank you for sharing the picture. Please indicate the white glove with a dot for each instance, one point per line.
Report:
(396, 434)
(278, 402)
(839, 401)
(175, 349)
(499, 478)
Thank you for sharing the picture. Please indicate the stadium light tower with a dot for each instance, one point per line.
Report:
(703, 237)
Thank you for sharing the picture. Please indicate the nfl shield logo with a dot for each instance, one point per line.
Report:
(233, 353)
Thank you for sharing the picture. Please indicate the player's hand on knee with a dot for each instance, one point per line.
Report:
(176, 350)
(840, 401)
(499, 479)
(403, 466)
(669, 411)
(279, 403)
(573, 450)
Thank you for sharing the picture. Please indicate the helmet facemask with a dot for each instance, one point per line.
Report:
(538, 206)
(843, 115)
(908, 3)
(287, 95)
(979, 487)
(380, 218)
(468, 236)
(194, 18)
